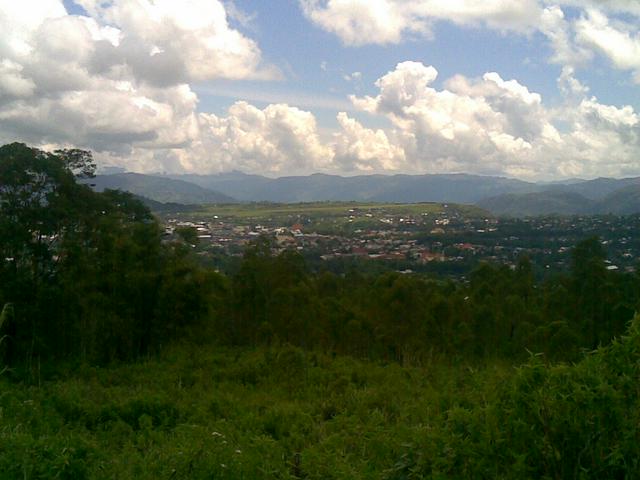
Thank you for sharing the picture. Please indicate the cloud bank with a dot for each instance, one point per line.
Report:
(492, 126)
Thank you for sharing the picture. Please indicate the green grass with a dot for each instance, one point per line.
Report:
(210, 413)
(224, 413)
(328, 209)
(325, 216)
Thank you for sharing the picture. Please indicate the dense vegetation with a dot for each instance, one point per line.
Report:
(122, 357)
(85, 272)
(499, 313)
(285, 413)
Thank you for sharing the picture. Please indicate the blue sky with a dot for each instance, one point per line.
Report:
(340, 86)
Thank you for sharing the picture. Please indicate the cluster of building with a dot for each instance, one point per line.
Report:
(427, 238)
(373, 234)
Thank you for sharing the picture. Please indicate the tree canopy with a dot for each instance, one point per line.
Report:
(84, 270)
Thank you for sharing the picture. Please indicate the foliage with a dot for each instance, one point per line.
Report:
(91, 279)
(84, 270)
(188, 234)
(562, 421)
(283, 412)
(5, 316)
(500, 312)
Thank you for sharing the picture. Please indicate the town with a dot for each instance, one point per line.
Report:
(438, 238)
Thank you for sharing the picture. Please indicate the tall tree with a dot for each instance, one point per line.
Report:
(588, 278)
(85, 270)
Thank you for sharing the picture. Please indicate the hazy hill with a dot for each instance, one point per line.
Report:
(624, 201)
(596, 189)
(160, 189)
(238, 185)
(170, 207)
(538, 203)
(458, 188)
(563, 201)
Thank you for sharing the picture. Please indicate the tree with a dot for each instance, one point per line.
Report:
(188, 234)
(79, 162)
(588, 277)
(85, 270)
(6, 316)
(40, 202)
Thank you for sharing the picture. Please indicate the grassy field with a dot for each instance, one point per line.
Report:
(266, 210)
(323, 212)
(204, 413)
(282, 413)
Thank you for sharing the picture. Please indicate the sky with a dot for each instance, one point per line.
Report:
(530, 89)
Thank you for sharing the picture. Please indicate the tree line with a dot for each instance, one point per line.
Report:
(498, 312)
(86, 276)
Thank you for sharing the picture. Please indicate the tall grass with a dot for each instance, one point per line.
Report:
(200, 412)
(5, 316)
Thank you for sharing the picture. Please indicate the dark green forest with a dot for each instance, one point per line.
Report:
(122, 356)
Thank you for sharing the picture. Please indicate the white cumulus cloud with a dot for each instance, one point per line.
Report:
(278, 139)
(360, 149)
(618, 41)
(359, 22)
(494, 126)
(604, 27)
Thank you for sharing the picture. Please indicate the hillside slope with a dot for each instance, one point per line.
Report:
(623, 201)
(160, 189)
(538, 203)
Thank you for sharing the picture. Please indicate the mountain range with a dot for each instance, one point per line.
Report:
(454, 188)
(499, 195)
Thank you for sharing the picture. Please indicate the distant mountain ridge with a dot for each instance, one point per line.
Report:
(454, 188)
(617, 197)
(160, 189)
(499, 195)
(598, 188)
